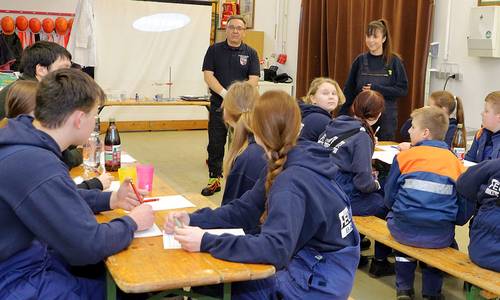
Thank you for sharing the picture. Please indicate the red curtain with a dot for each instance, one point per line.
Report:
(332, 34)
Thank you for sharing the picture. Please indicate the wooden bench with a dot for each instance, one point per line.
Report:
(449, 260)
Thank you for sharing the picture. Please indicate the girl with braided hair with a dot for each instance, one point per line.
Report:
(306, 224)
(351, 142)
(245, 159)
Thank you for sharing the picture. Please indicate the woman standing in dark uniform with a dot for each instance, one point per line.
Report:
(381, 70)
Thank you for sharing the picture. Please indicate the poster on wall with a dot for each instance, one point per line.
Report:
(245, 8)
(247, 11)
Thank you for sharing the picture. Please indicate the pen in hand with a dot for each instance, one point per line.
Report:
(178, 223)
(139, 197)
(376, 130)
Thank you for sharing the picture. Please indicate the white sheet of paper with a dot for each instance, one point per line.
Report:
(170, 243)
(114, 186)
(153, 231)
(388, 148)
(385, 156)
(170, 202)
(78, 179)
(127, 159)
(468, 163)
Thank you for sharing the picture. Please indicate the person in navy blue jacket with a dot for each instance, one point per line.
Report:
(421, 193)
(486, 144)
(46, 223)
(245, 159)
(307, 231)
(318, 107)
(481, 183)
(351, 142)
(452, 105)
(382, 70)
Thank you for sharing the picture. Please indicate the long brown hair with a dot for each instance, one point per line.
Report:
(238, 103)
(381, 25)
(448, 101)
(367, 106)
(21, 98)
(276, 123)
(313, 88)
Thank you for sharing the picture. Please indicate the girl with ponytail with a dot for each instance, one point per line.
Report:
(305, 218)
(351, 142)
(245, 159)
(453, 107)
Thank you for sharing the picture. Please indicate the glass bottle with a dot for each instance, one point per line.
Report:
(112, 148)
(459, 142)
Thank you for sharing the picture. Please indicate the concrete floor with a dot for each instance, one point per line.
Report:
(179, 159)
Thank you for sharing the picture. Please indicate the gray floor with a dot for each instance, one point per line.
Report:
(179, 158)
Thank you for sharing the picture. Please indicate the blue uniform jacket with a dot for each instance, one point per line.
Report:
(450, 134)
(245, 172)
(354, 159)
(314, 119)
(307, 210)
(40, 201)
(481, 183)
(421, 191)
(486, 145)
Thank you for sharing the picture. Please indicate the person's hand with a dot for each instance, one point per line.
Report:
(189, 237)
(169, 225)
(125, 197)
(376, 140)
(367, 87)
(105, 179)
(404, 146)
(143, 216)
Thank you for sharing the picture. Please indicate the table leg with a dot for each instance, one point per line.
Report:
(110, 287)
(227, 291)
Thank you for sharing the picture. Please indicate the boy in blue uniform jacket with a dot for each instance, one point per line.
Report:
(421, 192)
(307, 231)
(486, 144)
(481, 183)
(322, 100)
(40, 206)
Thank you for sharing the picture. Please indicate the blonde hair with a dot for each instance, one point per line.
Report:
(238, 104)
(276, 123)
(493, 98)
(448, 101)
(313, 88)
(21, 98)
(432, 118)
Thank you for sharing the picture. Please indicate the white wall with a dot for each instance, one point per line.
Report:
(60, 6)
(480, 74)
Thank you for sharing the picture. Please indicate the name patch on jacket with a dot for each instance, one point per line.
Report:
(243, 59)
(493, 189)
(345, 222)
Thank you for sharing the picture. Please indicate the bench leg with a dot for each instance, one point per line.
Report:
(227, 291)
(110, 287)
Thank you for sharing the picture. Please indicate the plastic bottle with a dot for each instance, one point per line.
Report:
(92, 149)
(459, 143)
(112, 148)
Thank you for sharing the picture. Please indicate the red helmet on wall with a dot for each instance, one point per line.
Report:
(35, 25)
(61, 25)
(8, 25)
(48, 25)
(21, 23)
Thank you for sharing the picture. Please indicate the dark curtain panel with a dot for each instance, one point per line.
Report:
(332, 34)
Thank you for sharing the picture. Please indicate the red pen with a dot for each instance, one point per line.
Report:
(151, 200)
(136, 192)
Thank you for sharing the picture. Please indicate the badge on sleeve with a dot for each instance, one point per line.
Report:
(345, 223)
(243, 59)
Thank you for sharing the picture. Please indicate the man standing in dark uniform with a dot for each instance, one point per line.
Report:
(225, 63)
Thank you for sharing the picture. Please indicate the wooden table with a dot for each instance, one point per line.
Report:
(146, 267)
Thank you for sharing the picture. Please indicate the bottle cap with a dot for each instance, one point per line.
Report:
(460, 125)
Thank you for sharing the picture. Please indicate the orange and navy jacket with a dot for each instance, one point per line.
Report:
(421, 193)
(486, 146)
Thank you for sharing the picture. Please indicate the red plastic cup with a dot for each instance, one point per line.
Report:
(145, 175)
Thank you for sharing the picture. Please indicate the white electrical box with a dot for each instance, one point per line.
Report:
(484, 26)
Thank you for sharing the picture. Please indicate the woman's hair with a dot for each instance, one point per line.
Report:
(238, 104)
(313, 88)
(381, 25)
(276, 123)
(21, 98)
(448, 101)
(368, 105)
